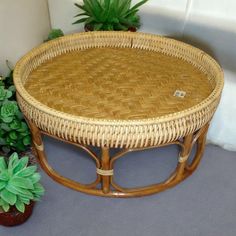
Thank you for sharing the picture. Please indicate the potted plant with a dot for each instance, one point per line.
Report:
(109, 15)
(19, 189)
(14, 132)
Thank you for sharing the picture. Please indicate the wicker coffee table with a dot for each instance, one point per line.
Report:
(129, 91)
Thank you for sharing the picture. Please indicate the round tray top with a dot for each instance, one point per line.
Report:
(103, 88)
(117, 83)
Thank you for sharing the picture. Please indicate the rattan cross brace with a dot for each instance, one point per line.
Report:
(105, 165)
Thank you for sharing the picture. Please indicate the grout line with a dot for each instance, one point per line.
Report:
(187, 14)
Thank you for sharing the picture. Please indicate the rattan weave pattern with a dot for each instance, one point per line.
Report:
(116, 88)
(115, 83)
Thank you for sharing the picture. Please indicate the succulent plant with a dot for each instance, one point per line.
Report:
(4, 93)
(54, 33)
(109, 14)
(19, 183)
(14, 132)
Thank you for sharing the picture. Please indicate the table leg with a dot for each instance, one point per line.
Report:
(105, 161)
(183, 156)
(105, 165)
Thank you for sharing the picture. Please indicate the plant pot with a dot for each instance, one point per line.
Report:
(14, 217)
(88, 28)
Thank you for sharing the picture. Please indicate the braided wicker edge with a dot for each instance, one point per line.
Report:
(118, 133)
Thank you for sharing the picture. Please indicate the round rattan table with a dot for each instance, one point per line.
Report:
(123, 90)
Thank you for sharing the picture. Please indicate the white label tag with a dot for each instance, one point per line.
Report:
(180, 94)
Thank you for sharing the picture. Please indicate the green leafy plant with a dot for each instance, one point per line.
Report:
(8, 80)
(109, 14)
(55, 33)
(14, 132)
(19, 183)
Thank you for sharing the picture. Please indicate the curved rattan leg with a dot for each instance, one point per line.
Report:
(183, 169)
(201, 143)
(105, 166)
(39, 150)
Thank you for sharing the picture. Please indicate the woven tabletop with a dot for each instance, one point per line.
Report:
(117, 83)
(118, 88)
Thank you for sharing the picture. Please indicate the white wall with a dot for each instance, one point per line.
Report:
(218, 8)
(23, 25)
(212, 26)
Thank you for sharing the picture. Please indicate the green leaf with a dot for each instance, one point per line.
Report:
(37, 197)
(27, 140)
(8, 94)
(21, 182)
(27, 171)
(55, 33)
(80, 21)
(96, 7)
(8, 197)
(79, 6)
(23, 127)
(5, 127)
(13, 160)
(124, 6)
(12, 189)
(19, 115)
(6, 207)
(10, 141)
(81, 14)
(20, 206)
(38, 189)
(107, 10)
(20, 147)
(138, 4)
(3, 164)
(2, 184)
(2, 202)
(12, 88)
(20, 191)
(25, 200)
(84, 8)
(23, 162)
(35, 178)
(89, 7)
(4, 175)
(131, 13)
(15, 124)
(7, 119)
